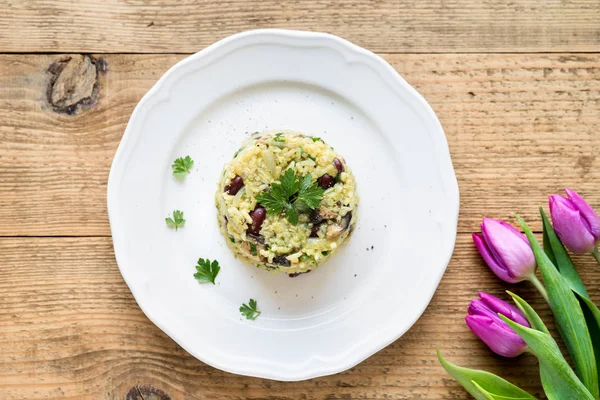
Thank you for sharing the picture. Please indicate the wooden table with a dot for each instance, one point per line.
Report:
(515, 84)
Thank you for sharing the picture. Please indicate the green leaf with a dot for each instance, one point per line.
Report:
(562, 260)
(312, 196)
(592, 318)
(482, 384)
(177, 221)
(207, 271)
(289, 183)
(316, 139)
(558, 379)
(253, 249)
(291, 214)
(547, 246)
(568, 314)
(271, 200)
(181, 167)
(305, 183)
(292, 196)
(250, 310)
(491, 396)
(534, 319)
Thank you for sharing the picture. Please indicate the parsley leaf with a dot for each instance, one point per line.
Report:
(291, 214)
(177, 221)
(289, 184)
(316, 139)
(273, 200)
(291, 195)
(253, 249)
(250, 310)
(207, 271)
(181, 167)
(311, 196)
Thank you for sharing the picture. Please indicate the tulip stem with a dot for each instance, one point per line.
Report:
(539, 286)
(596, 254)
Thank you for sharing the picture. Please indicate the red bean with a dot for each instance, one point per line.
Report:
(326, 181)
(338, 165)
(235, 185)
(258, 217)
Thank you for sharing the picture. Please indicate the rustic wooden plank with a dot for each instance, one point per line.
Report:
(162, 26)
(70, 328)
(519, 127)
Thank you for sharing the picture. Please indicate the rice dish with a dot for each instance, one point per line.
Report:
(286, 202)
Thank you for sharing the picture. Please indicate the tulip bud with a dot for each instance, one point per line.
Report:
(505, 250)
(484, 321)
(575, 222)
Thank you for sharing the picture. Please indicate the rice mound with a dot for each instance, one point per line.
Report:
(271, 241)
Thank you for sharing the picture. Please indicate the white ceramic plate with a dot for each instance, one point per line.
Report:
(363, 299)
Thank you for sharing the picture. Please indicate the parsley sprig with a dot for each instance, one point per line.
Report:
(181, 167)
(207, 271)
(177, 221)
(250, 310)
(292, 195)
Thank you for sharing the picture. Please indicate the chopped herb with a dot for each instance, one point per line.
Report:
(181, 167)
(293, 194)
(238, 152)
(316, 139)
(253, 249)
(231, 239)
(307, 258)
(177, 221)
(279, 138)
(326, 252)
(207, 271)
(250, 310)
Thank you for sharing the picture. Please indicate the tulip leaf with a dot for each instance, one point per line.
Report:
(560, 258)
(592, 317)
(491, 396)
(483, 385)
(569, 316)
(534, 319)
(558, 379)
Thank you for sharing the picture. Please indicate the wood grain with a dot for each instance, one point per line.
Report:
(162, 26)
(519, 127)
(70, 329)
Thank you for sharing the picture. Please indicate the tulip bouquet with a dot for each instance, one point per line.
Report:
(512, 330)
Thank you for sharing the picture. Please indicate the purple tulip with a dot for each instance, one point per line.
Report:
(575, 222)
(505, 250)
(484, 321)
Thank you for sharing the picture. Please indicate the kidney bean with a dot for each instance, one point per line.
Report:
(258, 217)
(338, 165)
(235, 185)
(326, 181)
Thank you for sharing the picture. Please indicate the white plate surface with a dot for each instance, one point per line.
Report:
(366, 296)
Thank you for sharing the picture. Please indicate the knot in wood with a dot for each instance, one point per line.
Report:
(73, 84)
(146, 393)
